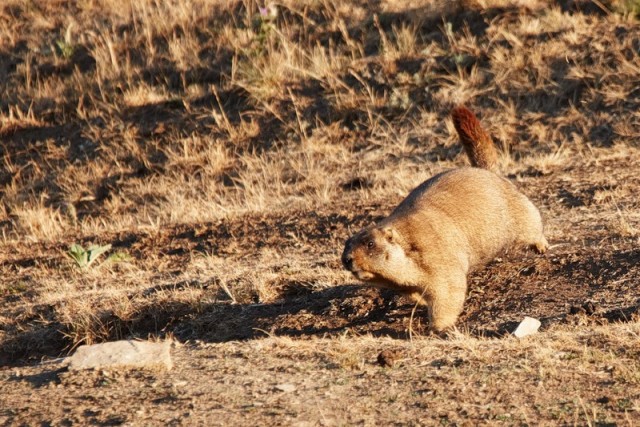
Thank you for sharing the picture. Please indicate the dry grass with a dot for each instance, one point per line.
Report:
(226, 155)
(238, 92)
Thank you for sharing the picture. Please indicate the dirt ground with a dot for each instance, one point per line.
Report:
(226, 155)
(320, 357)
(559, 379)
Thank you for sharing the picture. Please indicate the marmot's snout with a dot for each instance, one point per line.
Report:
(347, 256)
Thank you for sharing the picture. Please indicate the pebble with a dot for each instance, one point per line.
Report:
(528, 326)
(287, 388)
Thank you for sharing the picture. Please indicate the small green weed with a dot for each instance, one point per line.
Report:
(628, 8)
(15, 288)
(66, 49)
(85, 257)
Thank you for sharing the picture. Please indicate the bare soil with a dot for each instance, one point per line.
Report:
(560, 377)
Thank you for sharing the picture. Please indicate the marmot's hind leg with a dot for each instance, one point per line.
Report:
(534, 235)
(531, 228)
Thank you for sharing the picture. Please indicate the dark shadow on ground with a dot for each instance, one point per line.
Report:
(557, 288)
(41, 379)
(599, 283)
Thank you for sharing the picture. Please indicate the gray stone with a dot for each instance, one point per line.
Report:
(528, 326)
(128, 354)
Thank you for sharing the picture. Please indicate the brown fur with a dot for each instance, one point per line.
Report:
(453, 222)
(475, 140)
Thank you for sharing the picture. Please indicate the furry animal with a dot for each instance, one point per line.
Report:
(451, 223)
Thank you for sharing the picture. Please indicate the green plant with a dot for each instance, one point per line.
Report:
(14, 288)
(264, 24)
(85, 257)
(628, 7)
(66, 48)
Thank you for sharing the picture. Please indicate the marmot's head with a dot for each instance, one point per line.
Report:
(374, 254)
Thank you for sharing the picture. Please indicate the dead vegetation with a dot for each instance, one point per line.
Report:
(226, 151)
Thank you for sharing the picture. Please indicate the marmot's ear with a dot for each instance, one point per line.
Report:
(390, 234)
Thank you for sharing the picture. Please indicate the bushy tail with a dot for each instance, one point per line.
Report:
(475, 140)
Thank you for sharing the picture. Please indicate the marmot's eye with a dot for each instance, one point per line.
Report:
(370, 244)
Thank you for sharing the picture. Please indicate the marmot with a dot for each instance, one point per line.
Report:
(449, 224)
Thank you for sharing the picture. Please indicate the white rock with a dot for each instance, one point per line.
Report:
(126, 353)
(528, 326)
(287, 388)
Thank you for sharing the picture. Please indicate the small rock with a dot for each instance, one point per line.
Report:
(528, 326)
(126, 353)
(287, 388)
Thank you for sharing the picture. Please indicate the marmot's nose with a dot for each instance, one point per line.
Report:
(347, 261)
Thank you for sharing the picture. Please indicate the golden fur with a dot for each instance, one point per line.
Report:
(449, 224)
